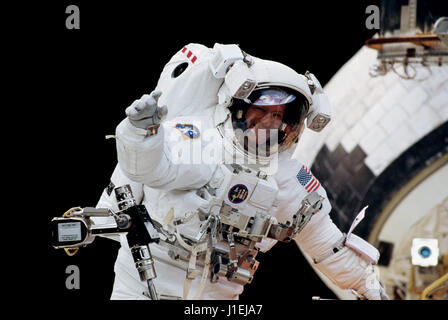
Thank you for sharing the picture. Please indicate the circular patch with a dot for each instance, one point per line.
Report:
(188, 131)
(238, 193)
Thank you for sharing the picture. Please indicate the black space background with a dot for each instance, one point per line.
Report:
(78, 84)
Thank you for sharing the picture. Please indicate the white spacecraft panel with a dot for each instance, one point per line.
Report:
(375, 119)
(383, 115)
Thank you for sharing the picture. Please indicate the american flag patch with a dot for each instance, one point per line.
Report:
(307, 180)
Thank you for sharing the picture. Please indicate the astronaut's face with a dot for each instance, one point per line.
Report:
(269, 121)
(260, 119)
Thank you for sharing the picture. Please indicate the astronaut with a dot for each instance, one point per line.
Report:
(209, 153)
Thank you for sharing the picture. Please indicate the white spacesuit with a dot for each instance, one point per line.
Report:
(176, 160)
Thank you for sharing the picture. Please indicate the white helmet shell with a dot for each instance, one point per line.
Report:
(267, 74)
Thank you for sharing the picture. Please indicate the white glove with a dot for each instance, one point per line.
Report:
(379, 294)
(372, 288)
(144, 112)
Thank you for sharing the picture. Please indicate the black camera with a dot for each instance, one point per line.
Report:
(76, 229)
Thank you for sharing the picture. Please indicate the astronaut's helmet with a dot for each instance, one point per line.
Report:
(270, 120)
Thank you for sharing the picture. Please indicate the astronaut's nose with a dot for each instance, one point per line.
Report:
(267, 122)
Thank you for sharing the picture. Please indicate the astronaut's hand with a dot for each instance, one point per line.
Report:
(144, 112)
(372, 288)
(383, 294)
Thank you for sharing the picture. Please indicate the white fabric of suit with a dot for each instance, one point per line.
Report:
(146, 163)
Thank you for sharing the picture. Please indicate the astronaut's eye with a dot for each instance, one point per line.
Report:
(179, 70)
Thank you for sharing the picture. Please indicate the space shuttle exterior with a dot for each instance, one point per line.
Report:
(387, 147)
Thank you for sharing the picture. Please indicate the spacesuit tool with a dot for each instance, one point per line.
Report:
(75, 229)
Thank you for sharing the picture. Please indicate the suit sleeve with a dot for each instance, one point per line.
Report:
(320, 236)
(344, 268)
(146, 159)
(109, 201)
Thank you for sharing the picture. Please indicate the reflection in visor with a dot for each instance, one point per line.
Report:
(269, 121)
(273, 97)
